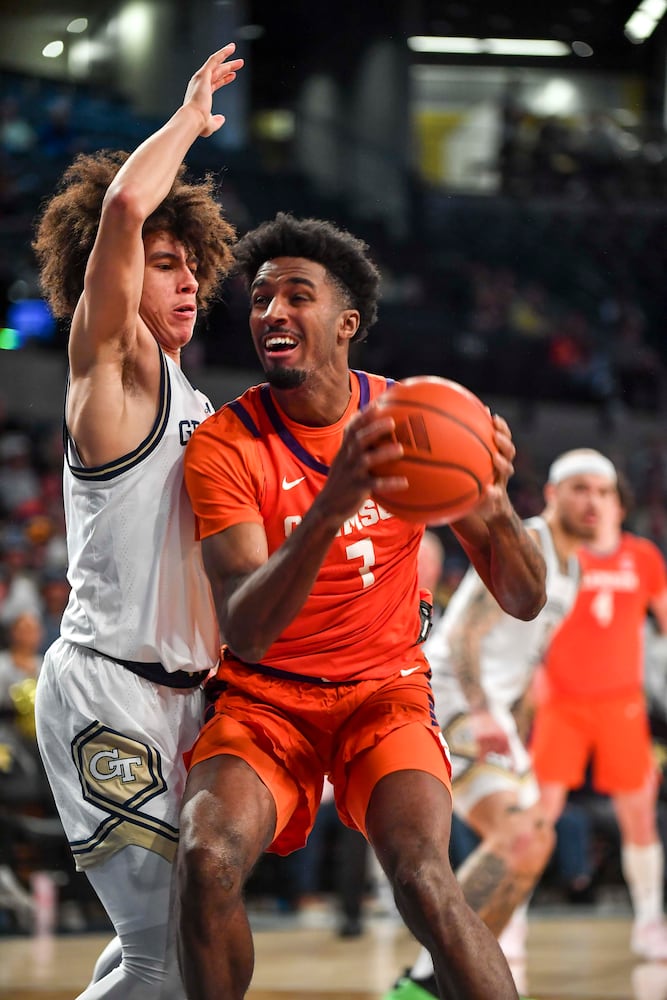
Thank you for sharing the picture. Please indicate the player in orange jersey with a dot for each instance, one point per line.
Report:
(318, 599)
(593, 705)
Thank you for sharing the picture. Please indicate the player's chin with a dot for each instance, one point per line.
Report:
(285, 378)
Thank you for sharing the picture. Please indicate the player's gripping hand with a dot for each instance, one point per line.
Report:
(367, 442)
(495, 501)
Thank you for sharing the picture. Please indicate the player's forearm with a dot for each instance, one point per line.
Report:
(517, 569)
(465, 659)
(265, 602)
(509, 561)
(148, 174)
(465, 644)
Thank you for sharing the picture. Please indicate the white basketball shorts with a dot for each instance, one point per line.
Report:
(112, 744)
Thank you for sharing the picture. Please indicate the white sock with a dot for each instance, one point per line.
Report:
(643, 869)
(423, 967)
(516, 928)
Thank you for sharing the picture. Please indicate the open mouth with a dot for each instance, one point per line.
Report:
(279, 343)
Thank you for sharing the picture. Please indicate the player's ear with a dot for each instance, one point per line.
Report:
(348, 324)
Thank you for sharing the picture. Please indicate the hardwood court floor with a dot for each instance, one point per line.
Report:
(571, 957)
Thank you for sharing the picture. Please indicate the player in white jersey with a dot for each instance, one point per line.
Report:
(129, 250)
(483, 661)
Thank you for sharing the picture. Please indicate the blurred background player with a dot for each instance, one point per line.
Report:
(592, 706)
(483, 662)
(129, 251)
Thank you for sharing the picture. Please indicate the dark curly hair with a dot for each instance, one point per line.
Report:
(344, 257)
(66, 230)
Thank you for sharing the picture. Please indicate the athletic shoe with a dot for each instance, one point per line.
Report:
(649, 941)
(408, 989)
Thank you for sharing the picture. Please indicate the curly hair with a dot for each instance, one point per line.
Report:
(66, 230)
(344, 257)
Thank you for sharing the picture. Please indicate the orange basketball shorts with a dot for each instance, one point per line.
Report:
(292, 733)
(612, 732)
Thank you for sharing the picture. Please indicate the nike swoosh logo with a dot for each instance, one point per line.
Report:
(290, 484)
(410, 670)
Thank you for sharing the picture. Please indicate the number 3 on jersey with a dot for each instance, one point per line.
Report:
(363, 549)
(602, 607)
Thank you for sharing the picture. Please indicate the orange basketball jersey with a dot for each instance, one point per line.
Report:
(251, 463)
(598, 649)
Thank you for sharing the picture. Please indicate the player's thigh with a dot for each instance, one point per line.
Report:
(398, 792)
(561, 743)
(623, 760)
(393, 729)
(408, 822)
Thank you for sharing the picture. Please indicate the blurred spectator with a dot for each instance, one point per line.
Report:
(638, 368)
(22, 591)
(58, 137)
(20, 661)
(553, 163)
(17, 136)
(19, 483)
(55, 594)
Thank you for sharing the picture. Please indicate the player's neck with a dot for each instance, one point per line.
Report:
(314, 404)
(565, 543)
(605, 543)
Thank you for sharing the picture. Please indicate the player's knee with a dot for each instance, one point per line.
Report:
(208, 871)
(423, 884)
(526, 840)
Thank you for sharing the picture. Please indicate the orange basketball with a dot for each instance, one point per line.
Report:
(448, 440)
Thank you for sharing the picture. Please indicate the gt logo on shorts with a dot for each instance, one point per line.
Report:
(114, 766)
(119, 775)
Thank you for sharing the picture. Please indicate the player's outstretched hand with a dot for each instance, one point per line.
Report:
(217, 72)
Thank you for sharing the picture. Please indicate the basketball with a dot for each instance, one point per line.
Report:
(448, 440)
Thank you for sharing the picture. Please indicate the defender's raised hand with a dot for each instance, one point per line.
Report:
(216, 72)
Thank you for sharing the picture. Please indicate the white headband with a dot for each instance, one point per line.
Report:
(581, 463)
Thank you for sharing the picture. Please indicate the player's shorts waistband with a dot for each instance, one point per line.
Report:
(156, 673)
(291, 675)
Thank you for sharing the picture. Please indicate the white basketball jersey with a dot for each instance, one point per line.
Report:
(139, 589)
(511, 649)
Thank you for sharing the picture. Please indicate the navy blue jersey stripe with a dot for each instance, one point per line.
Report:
(245, 418)
(287, 437)
(364, 388)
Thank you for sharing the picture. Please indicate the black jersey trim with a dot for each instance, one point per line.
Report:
(103, 473)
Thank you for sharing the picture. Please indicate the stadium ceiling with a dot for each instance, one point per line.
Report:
(598, 24)
(295, 28)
